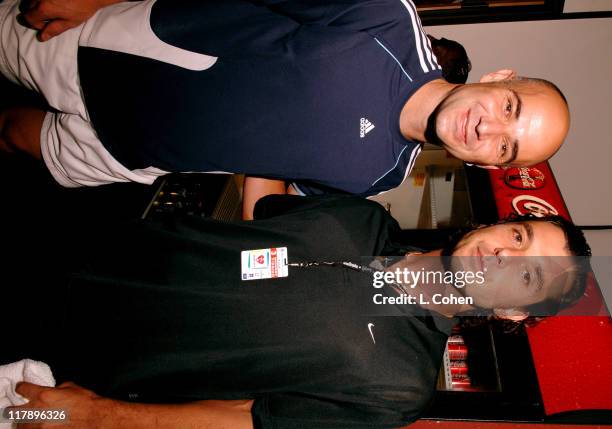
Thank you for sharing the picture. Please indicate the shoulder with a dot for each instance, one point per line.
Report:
(349, 206)
(353, 213)
(319, 204)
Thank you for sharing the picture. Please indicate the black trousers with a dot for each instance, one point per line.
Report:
(32, 296)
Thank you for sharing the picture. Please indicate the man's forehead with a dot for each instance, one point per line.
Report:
(561, 277)
(542, 230)
(529, 130)
(541, 126)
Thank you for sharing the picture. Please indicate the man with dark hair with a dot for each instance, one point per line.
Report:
(335, 96)
(453, 59)
(183, 312)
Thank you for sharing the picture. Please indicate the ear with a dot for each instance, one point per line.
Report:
(513, 314)
(498, 76)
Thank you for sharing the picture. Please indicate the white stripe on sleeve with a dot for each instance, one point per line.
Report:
(426, 42)
(418, 34)
(433, 56)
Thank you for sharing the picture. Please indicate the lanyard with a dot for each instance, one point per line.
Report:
(349, 265)
(378, 267)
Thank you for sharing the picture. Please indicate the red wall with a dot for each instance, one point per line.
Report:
(572, 355)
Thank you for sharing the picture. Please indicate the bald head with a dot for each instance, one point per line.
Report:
(503, 120)
(550, 120)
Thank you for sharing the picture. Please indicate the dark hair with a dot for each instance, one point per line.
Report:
(453, 59)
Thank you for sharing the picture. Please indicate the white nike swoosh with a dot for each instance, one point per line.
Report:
(370, 326)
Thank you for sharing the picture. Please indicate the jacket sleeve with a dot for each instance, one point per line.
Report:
(271, 28)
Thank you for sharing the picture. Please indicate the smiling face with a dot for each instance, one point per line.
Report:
(518, 261)
(512, 122)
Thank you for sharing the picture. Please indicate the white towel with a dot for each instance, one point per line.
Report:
(24, 370)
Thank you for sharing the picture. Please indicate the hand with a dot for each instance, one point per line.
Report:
(53, 17)
(85, 409)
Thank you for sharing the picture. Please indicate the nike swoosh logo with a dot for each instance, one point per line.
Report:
(370, 326)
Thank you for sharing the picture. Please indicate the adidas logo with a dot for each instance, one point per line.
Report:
(365, 127)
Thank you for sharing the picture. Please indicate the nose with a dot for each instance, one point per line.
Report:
(502, 255)
(488, 127)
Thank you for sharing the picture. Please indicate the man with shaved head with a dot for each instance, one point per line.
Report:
(503, 120)
(332, 96)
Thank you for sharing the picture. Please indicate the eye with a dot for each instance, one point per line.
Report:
(517, 236)
(503, 149)
(508, 108)
(526, 277)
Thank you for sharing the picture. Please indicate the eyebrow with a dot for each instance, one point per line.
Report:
(519, 104)
(539, 276)
(517, 114)
(538, 269)
(529, 230)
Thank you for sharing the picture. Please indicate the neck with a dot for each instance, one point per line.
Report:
(424, 291)
(419, 107)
